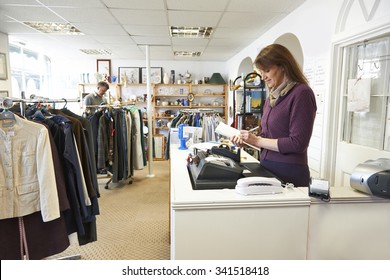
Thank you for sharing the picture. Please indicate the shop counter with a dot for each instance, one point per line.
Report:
(352, 225)
(221, 224)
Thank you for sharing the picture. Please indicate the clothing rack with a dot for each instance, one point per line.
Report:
(23, 102)
(43, 100)
(113, 106)
(118, 105)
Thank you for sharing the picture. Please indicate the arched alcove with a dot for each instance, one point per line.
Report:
(246, 66)
(291, 42)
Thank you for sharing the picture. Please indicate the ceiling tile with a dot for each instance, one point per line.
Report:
(147, 30)
(198, 5)
(234, 33)
(30, 13)
(116, 46)
(16, 28)
(18, 2)
(100, 29)
(90, 15)
(140, 17)
(193, 19)
(263, 6)
(244, 20)
(229, 43)
(188, 48)
(143, 40)
(135, 4)
(190, 42)
(81, 41)
(127, 51)
(73, 3)
(123, 40)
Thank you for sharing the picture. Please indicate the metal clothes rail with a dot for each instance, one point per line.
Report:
(8, 101)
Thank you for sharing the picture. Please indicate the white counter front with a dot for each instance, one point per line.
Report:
(352, 225)
(221, 224)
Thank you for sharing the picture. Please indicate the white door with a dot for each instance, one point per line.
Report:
(364, 123)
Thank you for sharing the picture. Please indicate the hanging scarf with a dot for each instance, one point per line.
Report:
(281, 90)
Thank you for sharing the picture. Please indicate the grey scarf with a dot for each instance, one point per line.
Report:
(281, 90)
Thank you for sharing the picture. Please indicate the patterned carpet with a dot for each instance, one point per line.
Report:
(134, 220)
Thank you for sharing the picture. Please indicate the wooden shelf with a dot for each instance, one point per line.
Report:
(171, 95)
(203, 94)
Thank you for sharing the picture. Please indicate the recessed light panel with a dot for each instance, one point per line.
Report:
(54, 27)
(190, 32)
(96, 51)
(187, 54)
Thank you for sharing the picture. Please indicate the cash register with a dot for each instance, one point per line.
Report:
(372, 177)
(220, 169)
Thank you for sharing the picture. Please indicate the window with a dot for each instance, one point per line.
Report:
(30, 72)
(370, 60)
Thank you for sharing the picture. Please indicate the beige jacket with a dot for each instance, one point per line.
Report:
(27, 178)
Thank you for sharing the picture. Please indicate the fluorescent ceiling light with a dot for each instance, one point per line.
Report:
(54, 27)
(97, 51)
(190, 32)
(187, 54)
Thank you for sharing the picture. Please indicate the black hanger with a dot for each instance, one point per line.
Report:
(66, 103)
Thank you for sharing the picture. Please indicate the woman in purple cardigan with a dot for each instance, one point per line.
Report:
(288, 117)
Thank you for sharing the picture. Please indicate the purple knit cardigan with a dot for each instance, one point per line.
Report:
(290, 121)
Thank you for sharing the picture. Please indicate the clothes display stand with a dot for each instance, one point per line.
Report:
(42, 229)
(119, 142)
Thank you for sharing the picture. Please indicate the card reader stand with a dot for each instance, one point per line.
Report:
(227, 153)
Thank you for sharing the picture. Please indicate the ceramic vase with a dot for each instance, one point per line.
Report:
(166, 78)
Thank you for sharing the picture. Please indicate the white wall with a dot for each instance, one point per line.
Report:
(66, 73)
(5, 85)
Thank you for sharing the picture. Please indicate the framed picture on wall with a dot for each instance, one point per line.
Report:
(103, 66)
(129, 75)
(158, 146)
(3, 67)
(155, 75)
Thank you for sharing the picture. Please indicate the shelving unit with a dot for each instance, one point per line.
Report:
(171, 98)
(248, 102)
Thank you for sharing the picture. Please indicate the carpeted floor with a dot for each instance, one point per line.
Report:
(134, 220)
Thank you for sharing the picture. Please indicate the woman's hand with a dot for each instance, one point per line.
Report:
(236, 140)
(244, 137)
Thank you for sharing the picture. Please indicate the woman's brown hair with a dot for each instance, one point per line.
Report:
(279, 55)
